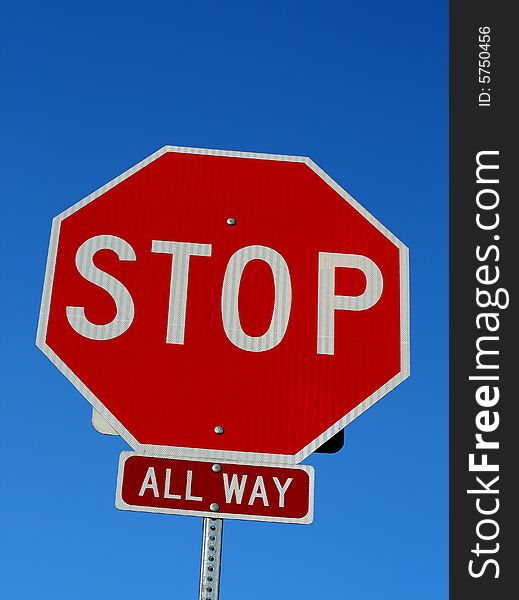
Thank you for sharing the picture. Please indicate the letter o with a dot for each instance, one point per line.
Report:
(282, 299)
(487, 191)
(489, 522)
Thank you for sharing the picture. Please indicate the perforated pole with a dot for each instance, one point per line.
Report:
(210, 563)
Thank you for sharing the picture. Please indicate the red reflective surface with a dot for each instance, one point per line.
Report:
(276, 401)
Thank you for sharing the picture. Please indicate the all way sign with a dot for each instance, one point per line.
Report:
(203, 488)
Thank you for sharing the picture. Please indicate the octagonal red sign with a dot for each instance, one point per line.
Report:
(213, 303)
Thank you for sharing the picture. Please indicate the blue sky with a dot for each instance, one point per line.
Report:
(88, 90)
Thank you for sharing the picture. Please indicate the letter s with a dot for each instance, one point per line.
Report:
(483, 568)
(121, 296)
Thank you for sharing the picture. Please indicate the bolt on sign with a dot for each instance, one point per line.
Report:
(226, 313)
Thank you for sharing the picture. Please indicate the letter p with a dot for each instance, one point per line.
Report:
(328, 302)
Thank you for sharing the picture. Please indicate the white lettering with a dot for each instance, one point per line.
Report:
(180, 254)
(189, 482)
(120, 295)
(259, 491)
(282, 301)
(167, 487)
(234, 488)
(150, 483)
(328, 302)
(282, 489)
(483, 465)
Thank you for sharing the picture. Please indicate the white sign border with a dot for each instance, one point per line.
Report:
(199, 453)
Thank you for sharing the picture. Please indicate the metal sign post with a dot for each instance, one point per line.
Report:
(210, 562)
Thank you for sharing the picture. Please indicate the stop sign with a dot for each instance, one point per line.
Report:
(226, 304)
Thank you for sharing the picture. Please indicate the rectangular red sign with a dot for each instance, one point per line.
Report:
(209, 488)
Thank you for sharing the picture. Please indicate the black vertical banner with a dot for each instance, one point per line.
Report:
(484, 239)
